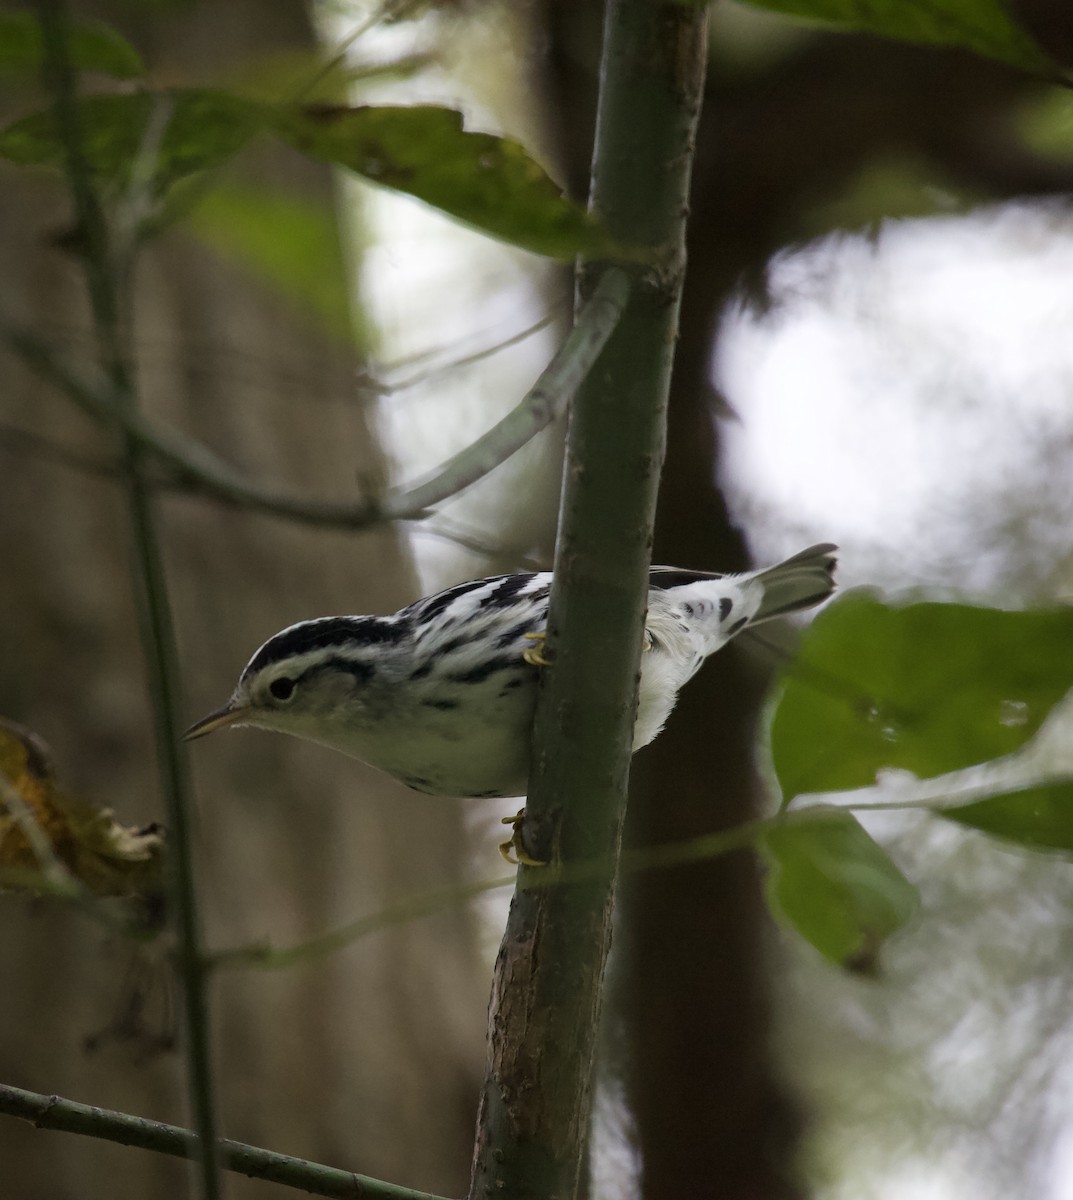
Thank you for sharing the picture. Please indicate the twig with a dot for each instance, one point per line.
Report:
(53, 1112)
(195, 465)
(267, 957)
(198, 467)
(455, 362)
(542, 404)
(157, 634)
(411, 908)
(25, 440)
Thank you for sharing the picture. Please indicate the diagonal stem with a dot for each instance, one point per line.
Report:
(96, 394)
(53, 1112)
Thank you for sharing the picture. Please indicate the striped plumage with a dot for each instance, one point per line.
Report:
(439, 694)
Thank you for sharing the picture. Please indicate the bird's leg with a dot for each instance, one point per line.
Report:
(534, 655)
(523, 858)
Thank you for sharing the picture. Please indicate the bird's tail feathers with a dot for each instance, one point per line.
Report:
(797, 583)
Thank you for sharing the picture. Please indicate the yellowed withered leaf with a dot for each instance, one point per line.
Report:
(50, 841)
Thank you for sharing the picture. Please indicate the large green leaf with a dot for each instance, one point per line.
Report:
(928, 688)
(198, 129)
(1038, 817)
(832, 883)
(488, 182)
(984, 26)
(91, 46)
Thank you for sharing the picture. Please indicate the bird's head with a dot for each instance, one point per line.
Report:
(307, 680)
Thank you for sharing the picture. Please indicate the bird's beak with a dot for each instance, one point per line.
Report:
(222, 717)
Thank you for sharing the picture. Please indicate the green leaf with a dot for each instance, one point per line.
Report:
(984, 26)
(289, 240)
(488, 182)
(1038, 817)
(199, 129)
(927, 688)
(832, 883)
(91, 46)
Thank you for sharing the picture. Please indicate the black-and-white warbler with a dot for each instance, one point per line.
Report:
(441, 694)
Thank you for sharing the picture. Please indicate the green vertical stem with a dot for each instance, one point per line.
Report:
(154, 612)
(546, 998)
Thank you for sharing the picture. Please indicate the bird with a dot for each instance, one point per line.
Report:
(441, 694)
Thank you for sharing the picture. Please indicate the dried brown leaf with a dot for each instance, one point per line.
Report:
(48, 838)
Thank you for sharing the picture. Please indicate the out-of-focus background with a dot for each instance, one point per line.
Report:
(874, 351)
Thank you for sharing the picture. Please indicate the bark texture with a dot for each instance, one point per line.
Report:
(546, 1002)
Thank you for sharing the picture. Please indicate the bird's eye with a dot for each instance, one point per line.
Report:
(282, 688)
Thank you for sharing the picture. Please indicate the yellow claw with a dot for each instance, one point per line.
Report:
(534, 655)
(523, 858)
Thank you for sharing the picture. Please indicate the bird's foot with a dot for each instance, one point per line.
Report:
(521, 855)
(534, 655)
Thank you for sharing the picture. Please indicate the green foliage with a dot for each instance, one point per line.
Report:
(199, 129)
(1045, 123)
(928, 688)
(290, 241)
(832, 883)
(1040, 817)
(488, 182)
(983, 26)
(485, 181)
(91, 46)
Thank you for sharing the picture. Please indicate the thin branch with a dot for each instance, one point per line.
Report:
(15, 440)
(53, 1112)
(137, 206)
(410, 908)
(542, 404)
(155, 621)
(382, 13)
(391, 387)
(194, 464)
(267, 957)
(200, 468)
